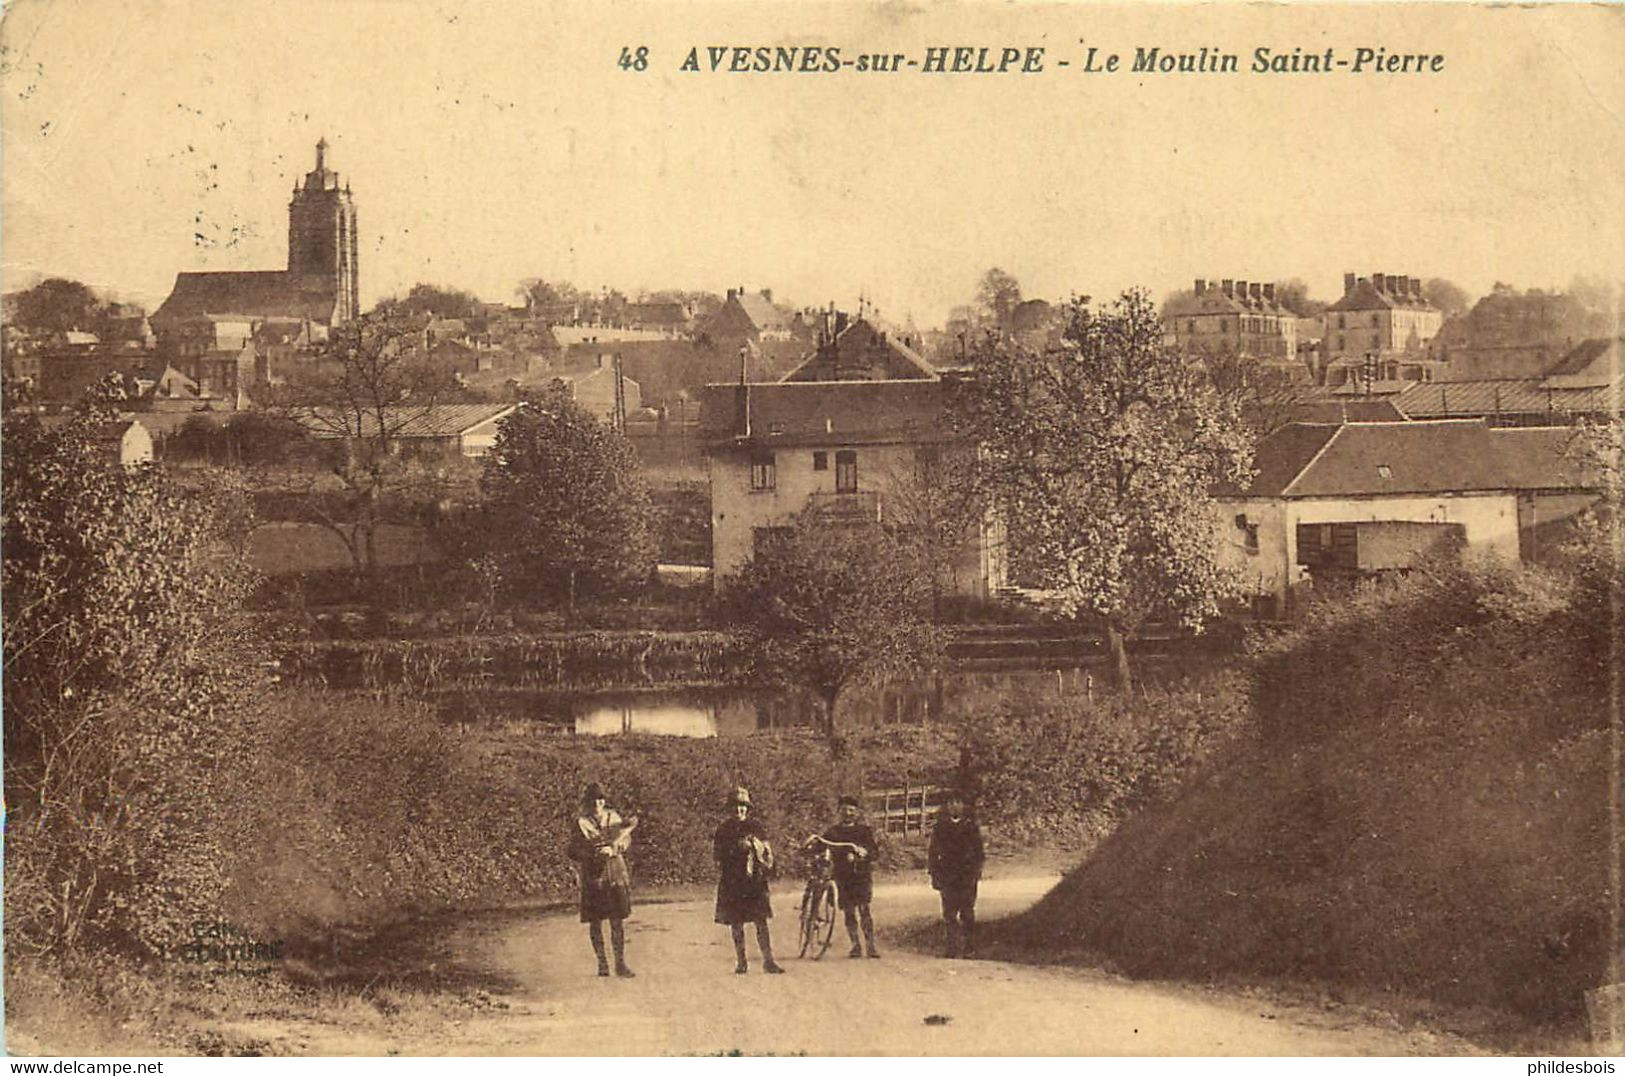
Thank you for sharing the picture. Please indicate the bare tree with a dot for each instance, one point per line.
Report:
(358, 396)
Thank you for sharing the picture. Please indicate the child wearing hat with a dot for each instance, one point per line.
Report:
(853, 845)
(744, 860)
(598, 843)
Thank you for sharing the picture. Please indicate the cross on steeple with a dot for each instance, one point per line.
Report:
(321, 154)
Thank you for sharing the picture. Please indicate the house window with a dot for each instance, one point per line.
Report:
(846, 471)
(1376, 340)
(1342, 343)
(820, 461)
(1342, 321)
(762, 476)
(1374, 321)
(1190, 326)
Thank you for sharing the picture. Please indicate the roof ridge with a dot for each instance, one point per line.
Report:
(1337, 431)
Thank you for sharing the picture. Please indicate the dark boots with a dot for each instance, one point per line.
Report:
(595, 931)
(617, 937)
(764, 941)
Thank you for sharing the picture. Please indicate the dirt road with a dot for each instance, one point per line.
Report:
(686, 999)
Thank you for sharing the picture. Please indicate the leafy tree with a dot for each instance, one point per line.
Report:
(1261, 394)
(128, 667)
(359, 395)
(1448, 296)
(536, 291)
(58, 305)
(428, 299)
(1294, 295)
(833, 603)
(566, 511)
(1104, 450)
(997, 296)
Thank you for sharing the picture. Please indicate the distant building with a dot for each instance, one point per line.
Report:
(1381, 328)
(320, 284)
(459, 429)
(752, 316)
(853, 449)
(860, 351)
(1236, 316)
(1332, 504)
(593, 387)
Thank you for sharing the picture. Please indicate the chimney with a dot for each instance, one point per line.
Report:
(1241, 290)
(1269, 294)
(1380, 282)
(1201, 285)
(1348, 283)
(1257, 292)
(731, 294)
(1416, 286)
(1227, 286)
(767, 293)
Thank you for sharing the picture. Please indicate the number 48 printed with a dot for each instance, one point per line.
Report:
(637, 60)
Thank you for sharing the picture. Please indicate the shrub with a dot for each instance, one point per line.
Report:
(126, 666)
(1426, 808)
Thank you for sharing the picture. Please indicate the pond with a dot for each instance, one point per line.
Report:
(734, 711)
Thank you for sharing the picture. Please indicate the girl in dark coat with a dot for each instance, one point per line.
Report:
(744, 859)
(598, 843)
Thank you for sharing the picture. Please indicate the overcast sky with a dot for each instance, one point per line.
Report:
(491, 142)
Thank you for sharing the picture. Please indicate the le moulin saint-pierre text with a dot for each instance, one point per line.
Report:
(1034, 59)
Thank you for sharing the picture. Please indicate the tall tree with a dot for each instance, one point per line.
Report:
(566, 512)
(997, 296)
(58, 305)
(1294, 295)
(369, 384)
(1104, 450)
(1448, 296)
(435, 301)
(834, 603)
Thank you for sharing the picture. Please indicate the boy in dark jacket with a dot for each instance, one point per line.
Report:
(955, 859)
(853, 846)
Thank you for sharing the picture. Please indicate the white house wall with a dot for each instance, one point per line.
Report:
(737, 510)
(1489, 523)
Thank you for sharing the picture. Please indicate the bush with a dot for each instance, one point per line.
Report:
(127, 666)
(1426, 808)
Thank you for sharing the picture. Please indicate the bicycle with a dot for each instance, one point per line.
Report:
(820, 899)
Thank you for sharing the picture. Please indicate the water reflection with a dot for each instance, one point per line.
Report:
(714, 712)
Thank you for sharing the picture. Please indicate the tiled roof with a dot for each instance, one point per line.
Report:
(1585, 356)
(272, 293)
(1213, 300)
(763, 313)
(1358, 409)
(826, 412)
(1401, 458)
(1445, 399)
(1543, 457)
(1365, 296)
(861, 346)
(436, 420)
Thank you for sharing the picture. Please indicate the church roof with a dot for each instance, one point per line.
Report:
(260, 294)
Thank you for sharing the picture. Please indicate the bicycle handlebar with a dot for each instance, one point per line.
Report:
(835, 844)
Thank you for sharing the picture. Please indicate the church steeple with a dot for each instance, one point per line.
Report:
(322, 235)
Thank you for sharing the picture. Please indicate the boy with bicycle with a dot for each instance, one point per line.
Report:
(853, 846)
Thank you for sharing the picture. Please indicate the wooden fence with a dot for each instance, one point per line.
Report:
(905, 811)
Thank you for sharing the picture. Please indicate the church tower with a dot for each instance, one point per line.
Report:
(322, 237)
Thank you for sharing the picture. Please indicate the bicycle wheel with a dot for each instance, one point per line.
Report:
(828, 903)
(809, 918)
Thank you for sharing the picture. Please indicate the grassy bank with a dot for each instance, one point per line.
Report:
(1423, 809)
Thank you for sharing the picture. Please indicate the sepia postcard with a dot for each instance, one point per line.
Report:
(872, 528)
